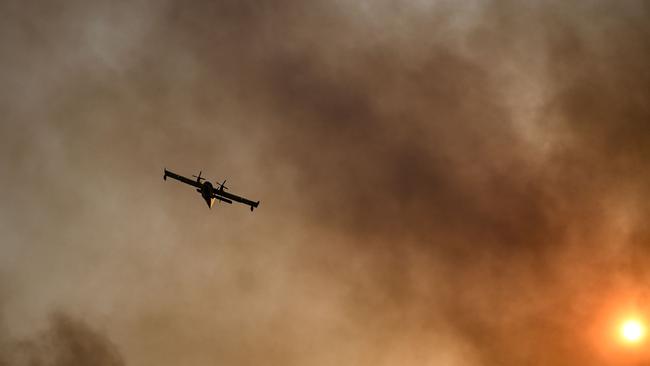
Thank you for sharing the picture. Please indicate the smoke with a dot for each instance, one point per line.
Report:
(440, 183)
(65, 342)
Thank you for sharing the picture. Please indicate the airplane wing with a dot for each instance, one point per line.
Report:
(181, 178)
(220, 194)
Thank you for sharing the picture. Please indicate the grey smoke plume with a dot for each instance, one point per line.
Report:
(66, 342)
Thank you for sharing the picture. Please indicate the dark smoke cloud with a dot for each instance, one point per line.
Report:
(65, 342)
(440, 183)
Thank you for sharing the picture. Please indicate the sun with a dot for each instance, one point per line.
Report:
(632, 331)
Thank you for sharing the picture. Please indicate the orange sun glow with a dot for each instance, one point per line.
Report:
(632, 331)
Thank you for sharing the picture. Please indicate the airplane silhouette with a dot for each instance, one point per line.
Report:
(209, 193)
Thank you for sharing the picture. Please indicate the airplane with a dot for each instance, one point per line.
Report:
(209, 193)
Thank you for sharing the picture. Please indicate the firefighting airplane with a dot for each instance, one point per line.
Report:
(209, 192)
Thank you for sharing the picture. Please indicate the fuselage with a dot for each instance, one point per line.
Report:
(207, 192)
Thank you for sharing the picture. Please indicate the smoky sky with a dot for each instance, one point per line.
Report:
(441, 182)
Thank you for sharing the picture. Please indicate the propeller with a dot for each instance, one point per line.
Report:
(199, 178)
(222, 186)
